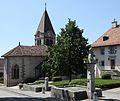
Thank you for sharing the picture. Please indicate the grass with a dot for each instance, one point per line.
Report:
(60, 83)
(107, 83)
(100, 83)
(38, 82)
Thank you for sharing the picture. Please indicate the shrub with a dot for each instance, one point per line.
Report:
(29, 80)
(60, 83)
(39, 81)
(1, 74)
(1, 79)
(108, 86)
(84, 76)
(106, 76)
(57, 78)
(79, 82)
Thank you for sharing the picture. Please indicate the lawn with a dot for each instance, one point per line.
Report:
(100, 83)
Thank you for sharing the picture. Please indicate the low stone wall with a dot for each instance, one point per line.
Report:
(35, 88)
(115, 77)
(68, 93)
(32, 88)
(72, 93)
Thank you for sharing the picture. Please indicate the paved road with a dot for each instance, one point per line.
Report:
(14, 94)
(5, 93)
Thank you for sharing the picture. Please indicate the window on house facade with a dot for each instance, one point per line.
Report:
(112, 50)
(102, 51)
(105, 38)
(51, 42)
(38, 42)
(102, 63)
(15, 72)
(47, 42)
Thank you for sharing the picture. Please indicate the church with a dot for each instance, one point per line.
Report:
(23, 62)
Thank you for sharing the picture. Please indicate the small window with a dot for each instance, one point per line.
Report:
(38, 42)
(51, 42)
(47, 42)
(102, 51)
(112, 50)
(105, 38)
(102, 63)
(15, 72)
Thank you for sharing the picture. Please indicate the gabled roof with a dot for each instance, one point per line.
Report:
(27, 51)
(45, 23)
(1, 62)
(113, 35)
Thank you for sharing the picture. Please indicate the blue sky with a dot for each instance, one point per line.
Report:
(19, 19)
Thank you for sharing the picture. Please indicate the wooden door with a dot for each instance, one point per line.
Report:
(112, 64)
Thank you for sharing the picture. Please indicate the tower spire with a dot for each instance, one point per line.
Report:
(45, 6)
(45, 34)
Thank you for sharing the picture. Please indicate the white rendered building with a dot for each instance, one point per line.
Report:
(107, 50)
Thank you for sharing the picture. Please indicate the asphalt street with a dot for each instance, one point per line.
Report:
(14, 94)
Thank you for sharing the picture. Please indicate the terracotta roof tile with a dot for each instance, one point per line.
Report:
(113, 35)
(27, 51)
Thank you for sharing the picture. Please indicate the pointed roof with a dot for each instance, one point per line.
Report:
(112, 35)
(27, 51)
(45, 23)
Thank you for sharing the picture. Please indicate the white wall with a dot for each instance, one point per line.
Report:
(106, 58)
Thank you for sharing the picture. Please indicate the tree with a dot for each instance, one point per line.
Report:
(66, 57)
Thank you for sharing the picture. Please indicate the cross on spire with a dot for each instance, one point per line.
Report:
(45, 6)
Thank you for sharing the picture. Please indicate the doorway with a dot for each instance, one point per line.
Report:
(112, 63)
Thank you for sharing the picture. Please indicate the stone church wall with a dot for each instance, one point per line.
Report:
(29, 68)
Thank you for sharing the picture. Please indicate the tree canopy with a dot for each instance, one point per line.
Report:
(67, 55)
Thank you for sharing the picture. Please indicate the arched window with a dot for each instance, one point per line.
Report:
(15, 72)
(38, 42)
(47, 42)
(51, 42)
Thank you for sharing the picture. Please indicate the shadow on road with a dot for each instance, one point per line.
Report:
(29, 99)
(109, 100)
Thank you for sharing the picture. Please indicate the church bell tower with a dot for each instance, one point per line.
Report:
(45, 34)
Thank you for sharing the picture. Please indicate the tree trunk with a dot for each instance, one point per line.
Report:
(70, 77)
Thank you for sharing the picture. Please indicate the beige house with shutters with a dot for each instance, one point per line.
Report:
(107, 50)
(23, 62)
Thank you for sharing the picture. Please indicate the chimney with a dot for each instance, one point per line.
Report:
(114, 24)
(19, 44)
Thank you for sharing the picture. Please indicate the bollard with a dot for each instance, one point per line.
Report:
(46, 83)
(43, 90)
(95, 97)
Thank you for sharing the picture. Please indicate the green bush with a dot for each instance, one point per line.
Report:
(106, 76)
(29, 80)
(84, 76)
(79, 82)
(57, 78)
(39, 81)
(1, 79)
(1, 74)
(60, 83)
(108, 86)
